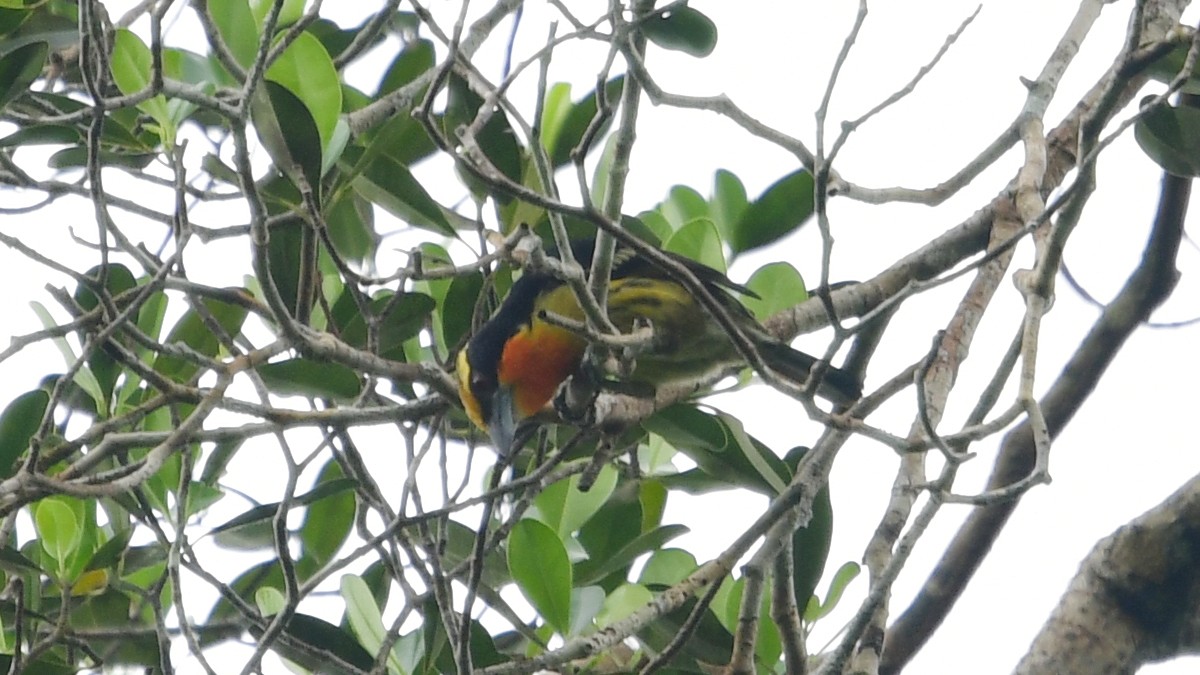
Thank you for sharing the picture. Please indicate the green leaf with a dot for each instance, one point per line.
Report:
(565, 508)
(718, 444)
(365, 618)
(110, 553)
(593, 570)
(195, 334)
(269, 600)
(327, 522)
(781, 209)
(399, 316)
(117, 280)
(245, 531)
(458, 309)
(289, 14)
(496, 139)
(710, 642)
(699, 240)
(132, 66)
(460, 547)
(18, 423)
(586, 603)
(12, 561)
(304, 377)
(41, 134)
(683, 205)
(562, 136)
(340, 652)
(779, 286)
(306, 70)
(77, 158)
(414, 60)
(682, 29)
(388, 183)
(351, 224)
(1170, 135)
(288, 131)
(810, 544)
(667, 567)
(1166, 68)
(237, 28)
(58, 530)
(623, 601)
(19, 68)
(837, 586)
(728, 202)
(538, 563)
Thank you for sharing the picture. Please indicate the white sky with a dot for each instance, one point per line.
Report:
(1122, 454)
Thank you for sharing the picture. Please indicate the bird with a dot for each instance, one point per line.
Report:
(513, 365)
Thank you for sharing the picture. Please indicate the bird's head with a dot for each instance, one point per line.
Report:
(514, 364)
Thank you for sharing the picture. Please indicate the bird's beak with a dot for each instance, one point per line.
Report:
(502, 426)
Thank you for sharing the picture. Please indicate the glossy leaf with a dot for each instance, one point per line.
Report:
(387, 182)
(365, 618)
(564, 508)
(837, 586)
(459, 308)
(623, 601)
(593, 570)
(132, 66)
(58, 530)
(414, 60)
(538, 563)
(667, 567)
(251, 529)
(286, 127)
(328, 522)
(682, 29)
(586, 603)
(237, 28)
(1170, 135)
(710, 642)
(291, 12)
(306, 377)
(13, 561)
(721, 448)
(18, 423)
(306, 70)
(728, 203)
(683, 205)
(564, 135)
(779, 286)
(19, 68)
(401, 317)
(780, 210)
(699, 240)
(339, 651)
(495, 139)
(195, 334)
(351, 224)
(810, 544)
(41, 134)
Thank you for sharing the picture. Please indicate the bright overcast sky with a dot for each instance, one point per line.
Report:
(773, 58)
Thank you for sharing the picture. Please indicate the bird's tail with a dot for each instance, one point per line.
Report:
(837, 385)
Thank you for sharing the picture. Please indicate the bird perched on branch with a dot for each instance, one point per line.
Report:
(512, 367)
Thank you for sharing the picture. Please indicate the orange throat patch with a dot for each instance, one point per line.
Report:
(535, 362)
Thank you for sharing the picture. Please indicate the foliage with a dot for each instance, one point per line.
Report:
(175, 384)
